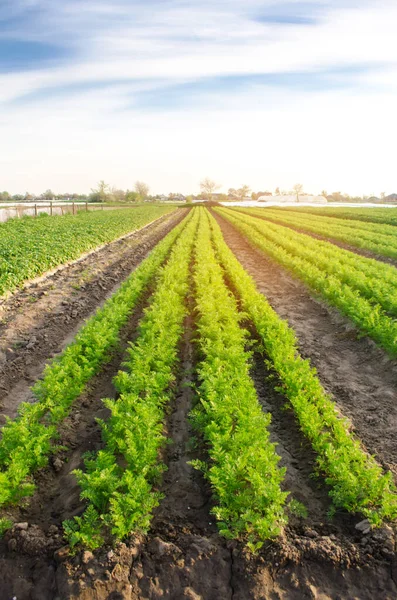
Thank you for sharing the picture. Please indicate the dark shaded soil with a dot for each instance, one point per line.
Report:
(39, 321)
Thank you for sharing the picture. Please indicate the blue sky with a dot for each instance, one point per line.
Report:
(262, 92)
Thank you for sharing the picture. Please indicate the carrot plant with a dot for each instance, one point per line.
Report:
(374, 280)
(118, 482)
(243, 470)
(380, 239)
(387, 216)
(357, 482)
(28, 439)
(369, 317)
(29, 247)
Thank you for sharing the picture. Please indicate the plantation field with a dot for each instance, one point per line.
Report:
(219, 422)
(29, 247)
(373, 215)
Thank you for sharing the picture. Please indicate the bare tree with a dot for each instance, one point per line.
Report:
(101, 192)
(142, 189)
(298, 189)
(243, 191)
(383, 195)
(208, 187)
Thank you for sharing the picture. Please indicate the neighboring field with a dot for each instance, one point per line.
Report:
(379, 239)
(216, 458)
(29, 247)
(372, 215)
(362, 289)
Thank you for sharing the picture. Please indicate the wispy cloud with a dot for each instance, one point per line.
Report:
(74, 68)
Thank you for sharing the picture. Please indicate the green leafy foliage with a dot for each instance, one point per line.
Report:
(29, 247)
(316, 263)
(243, 471)
(27, 440)
(371, 215)
(357, 481)
(379, 238)
(122, 498)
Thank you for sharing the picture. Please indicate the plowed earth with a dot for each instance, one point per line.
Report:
(183, 556)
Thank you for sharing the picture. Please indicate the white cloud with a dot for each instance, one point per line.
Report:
(262, 135)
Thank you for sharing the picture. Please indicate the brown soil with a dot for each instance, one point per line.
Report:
(183, 556)
(39, 321)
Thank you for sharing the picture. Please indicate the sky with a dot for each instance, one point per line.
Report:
(259, 92)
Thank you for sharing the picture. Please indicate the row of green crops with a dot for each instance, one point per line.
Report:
(356, 481)
(243, 470)
(314, 263)
(372, 215)
(380, 239)
(30, 247)
(376, 281)
(121, 499)
(27, 440)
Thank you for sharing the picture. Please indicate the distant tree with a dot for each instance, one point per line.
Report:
(100, 193)
(48, 195)
(324, 193)
(4, 197)
(232, 193)
(298, 189)
(189, 199)
(383, 195)
(18, 198)
(243, 192)
(131, 196)
(208, 187)
(118, 195)
(28, 197)
(277, 191)
(142, 189)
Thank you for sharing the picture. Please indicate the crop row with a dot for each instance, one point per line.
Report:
(380, 239)
(27, 440)
(314, 263)
(350, 226)
(243, 470)
(121, 499)
(376, 281)
(371, 215)
(30, 247)
(357, 482)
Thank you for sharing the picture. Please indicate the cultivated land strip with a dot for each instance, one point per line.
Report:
(30, 247)
(121, 498)
(357, 482)
(301, 255)
(348, 237)
(39, 323)
(361, 378)
(27, 440)
(387, 216)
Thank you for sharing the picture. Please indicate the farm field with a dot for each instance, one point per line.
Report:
(372, 215)
(217, 419)
(29, 247)
(379, 239)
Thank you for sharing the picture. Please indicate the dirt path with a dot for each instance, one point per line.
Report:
(361, 378)
(39, 322)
